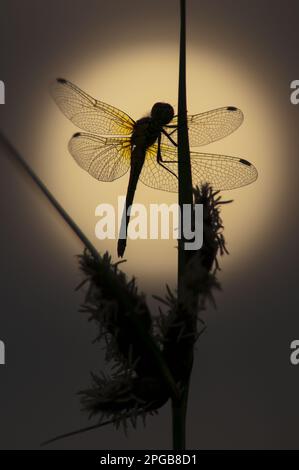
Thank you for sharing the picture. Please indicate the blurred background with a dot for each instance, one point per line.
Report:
(244, 390)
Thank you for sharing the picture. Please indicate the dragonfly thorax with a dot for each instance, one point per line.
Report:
(147, 129)
(162, 113)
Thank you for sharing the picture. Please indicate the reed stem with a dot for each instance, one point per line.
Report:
(179, 406)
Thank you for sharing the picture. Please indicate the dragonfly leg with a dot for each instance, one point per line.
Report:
(175, 128)
(169, 137)
(161, 161)
(172, 126)
(165, 167)
(172, 132)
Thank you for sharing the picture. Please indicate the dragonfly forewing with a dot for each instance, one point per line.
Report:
(208, 127)
(88, 113)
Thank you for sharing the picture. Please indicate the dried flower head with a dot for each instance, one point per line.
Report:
(124, 323)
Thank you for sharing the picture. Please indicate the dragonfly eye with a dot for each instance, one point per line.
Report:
(162, 113)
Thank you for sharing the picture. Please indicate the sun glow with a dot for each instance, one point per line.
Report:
(133, 79)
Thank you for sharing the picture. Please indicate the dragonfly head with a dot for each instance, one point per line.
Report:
(162, 113)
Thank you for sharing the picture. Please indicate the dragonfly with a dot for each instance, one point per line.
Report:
(113, 143)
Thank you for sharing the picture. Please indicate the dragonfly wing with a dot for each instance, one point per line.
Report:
(89, 114)
(105, 158)
(205, 128)
(222, 172)
(213, 125)
(155, 175)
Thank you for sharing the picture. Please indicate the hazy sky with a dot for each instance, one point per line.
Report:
(244, 390)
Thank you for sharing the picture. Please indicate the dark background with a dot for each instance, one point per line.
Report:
(244, 390)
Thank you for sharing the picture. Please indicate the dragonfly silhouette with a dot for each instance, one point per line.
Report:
(116, 143)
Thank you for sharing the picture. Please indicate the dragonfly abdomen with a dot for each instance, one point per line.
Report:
(137, 161)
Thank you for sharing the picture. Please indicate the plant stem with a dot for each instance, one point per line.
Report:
(179, 409)
(179, 406)
(184, 164)
(16, 155)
